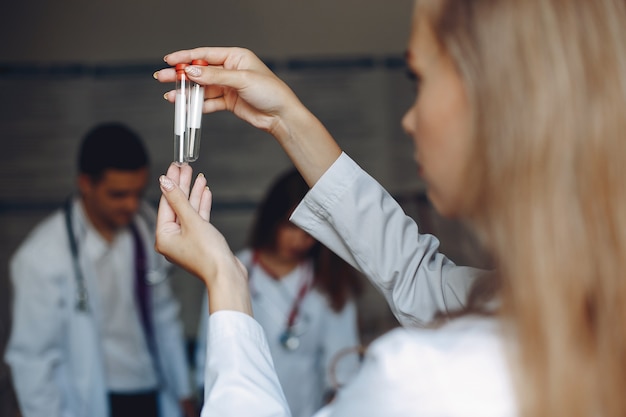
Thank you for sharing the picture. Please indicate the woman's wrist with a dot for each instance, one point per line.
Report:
(228, 287)
(307, 142)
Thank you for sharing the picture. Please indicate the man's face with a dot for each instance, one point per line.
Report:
(112, 201)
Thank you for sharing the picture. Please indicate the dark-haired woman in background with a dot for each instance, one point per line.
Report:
(303, 295)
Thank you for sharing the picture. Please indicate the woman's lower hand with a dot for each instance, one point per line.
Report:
(185, 237)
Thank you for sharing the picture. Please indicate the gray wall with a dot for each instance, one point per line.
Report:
(126, 30)
(69, 65)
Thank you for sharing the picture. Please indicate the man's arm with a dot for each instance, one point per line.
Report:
(34, 352)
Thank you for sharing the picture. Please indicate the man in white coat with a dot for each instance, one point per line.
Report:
(95, 329)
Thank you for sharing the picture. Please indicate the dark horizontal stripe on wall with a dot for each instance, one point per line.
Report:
(78, 70)
(366, 62)
(332, 63)
(65, 71)
(12, 207)
(7, 207)
(394, 62)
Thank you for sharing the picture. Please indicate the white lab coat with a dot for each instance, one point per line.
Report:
(54, 350)
(457, 370)
(304, 373)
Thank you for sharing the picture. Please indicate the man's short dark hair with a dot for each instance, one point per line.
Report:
(111, 146)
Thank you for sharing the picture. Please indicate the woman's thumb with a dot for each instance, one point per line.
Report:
(175, 197)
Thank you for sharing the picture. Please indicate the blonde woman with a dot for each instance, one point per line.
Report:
(518, 125)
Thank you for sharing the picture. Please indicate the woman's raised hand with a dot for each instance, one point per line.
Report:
(235, 80)
(238, 81)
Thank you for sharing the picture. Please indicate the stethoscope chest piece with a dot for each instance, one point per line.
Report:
(289, 339)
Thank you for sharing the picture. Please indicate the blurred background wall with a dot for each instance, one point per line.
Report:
(65, 66)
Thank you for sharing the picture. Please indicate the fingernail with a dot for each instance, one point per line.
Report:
(165, 96)
(166, 183)
(200, 175)
(193, 71)
(165, 58)
(155, 75)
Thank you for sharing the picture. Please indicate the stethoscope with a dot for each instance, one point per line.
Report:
(290, 336)
(82, 295)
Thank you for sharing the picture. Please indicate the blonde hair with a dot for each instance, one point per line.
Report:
(547, 84)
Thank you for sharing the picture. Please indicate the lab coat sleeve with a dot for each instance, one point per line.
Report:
(35, 349)
(352, 214)
(245, 256)
(240, 379)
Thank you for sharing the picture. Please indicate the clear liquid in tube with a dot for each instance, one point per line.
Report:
(195, 122)
(196, 101)
(181, 110)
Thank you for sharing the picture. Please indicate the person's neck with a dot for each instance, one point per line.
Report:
(103, 229)
(274, 265)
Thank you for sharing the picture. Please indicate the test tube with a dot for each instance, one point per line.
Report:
(196, 101)
(181, 107)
